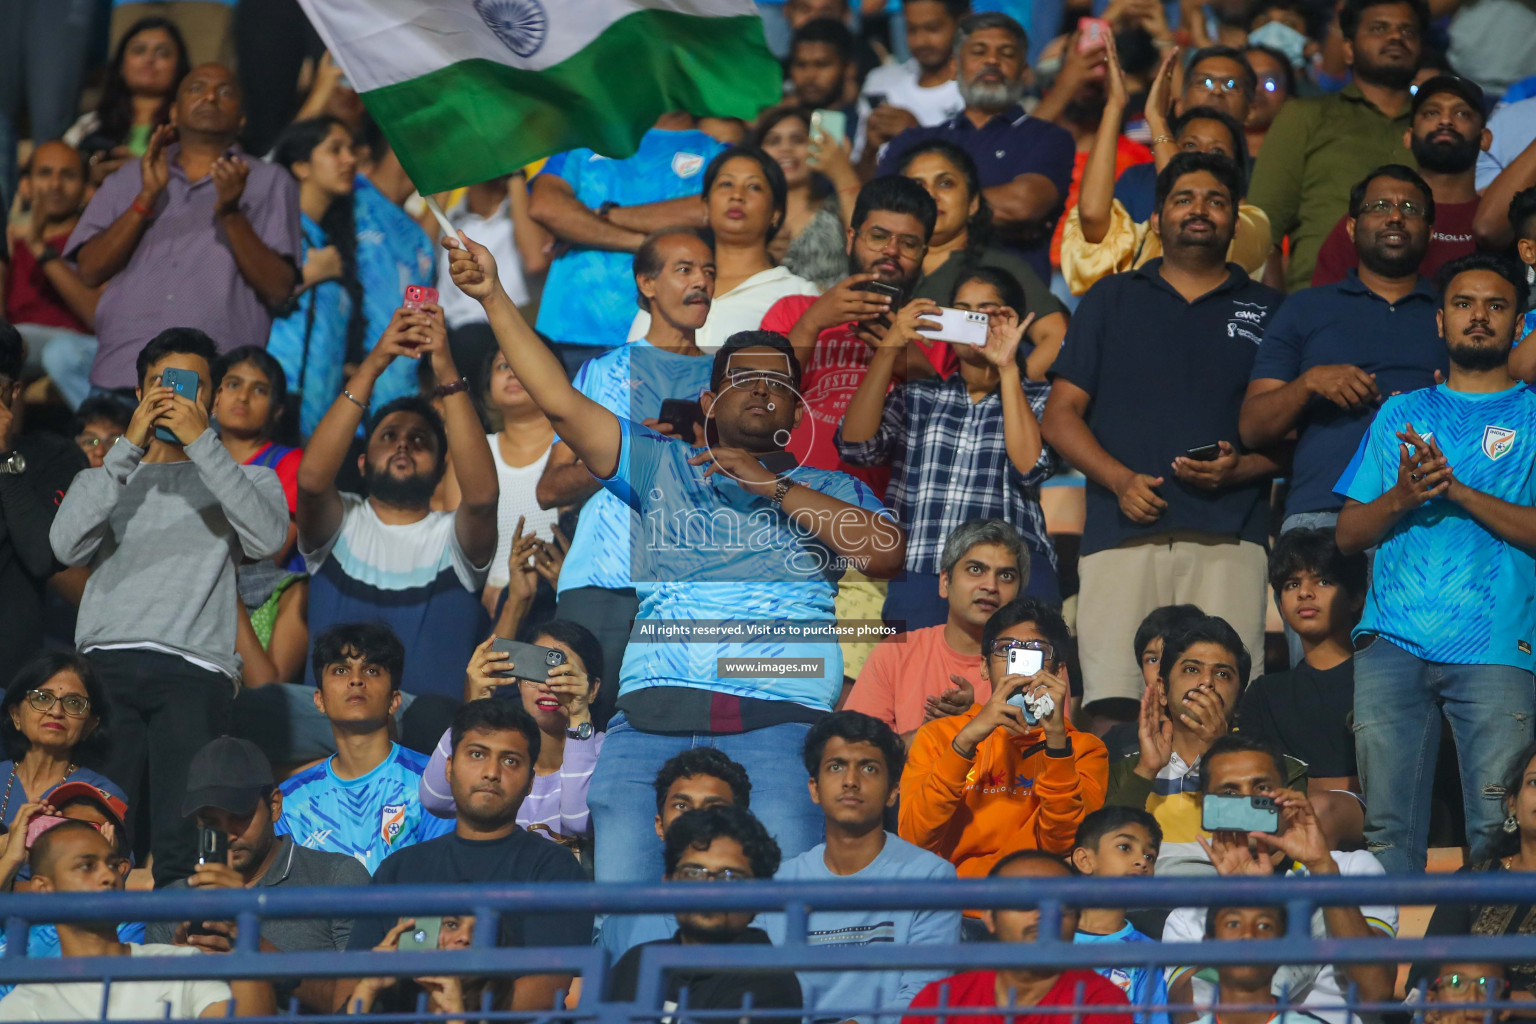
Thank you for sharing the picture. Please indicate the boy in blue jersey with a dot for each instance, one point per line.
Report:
(1443, 486)
(674, 272)
(1115, 842)
(736, 567)
(362, 801)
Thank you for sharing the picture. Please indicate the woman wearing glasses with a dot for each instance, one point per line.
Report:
(53, 722)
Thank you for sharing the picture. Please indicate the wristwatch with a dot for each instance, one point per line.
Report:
(581, 732)
(13, 464)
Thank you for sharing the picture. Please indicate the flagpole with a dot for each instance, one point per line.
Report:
(442, 218)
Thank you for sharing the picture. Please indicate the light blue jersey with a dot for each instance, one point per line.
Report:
(1142, 987)
(708, 552)
(1445, 588)
(368, 817)
(310, 343)
(589, 296)
(392, 252)
(633, 381)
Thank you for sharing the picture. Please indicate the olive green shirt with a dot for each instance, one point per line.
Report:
(1314, 153)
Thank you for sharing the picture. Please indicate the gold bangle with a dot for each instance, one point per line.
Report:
(1165, 137)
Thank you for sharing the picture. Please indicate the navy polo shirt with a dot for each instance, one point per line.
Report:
(1164, 376)
(1346, 322)
(1011, 144)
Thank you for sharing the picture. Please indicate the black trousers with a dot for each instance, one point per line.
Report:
(164, 710)
(609, 614)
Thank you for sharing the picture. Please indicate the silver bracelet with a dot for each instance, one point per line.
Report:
(349, 396)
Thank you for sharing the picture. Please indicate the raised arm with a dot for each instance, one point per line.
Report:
(1021, 431)
(1097, 191)
(591, 431)
(553, 204)
(109, 252)
(1491, 226)
(479, 490)
(270, 274)
(565, 480)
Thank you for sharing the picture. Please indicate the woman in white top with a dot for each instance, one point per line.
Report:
(520, 447)
(745, 193)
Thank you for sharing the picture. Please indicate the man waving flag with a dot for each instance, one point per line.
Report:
(466, 90)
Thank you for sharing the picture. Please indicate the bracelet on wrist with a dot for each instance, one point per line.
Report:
(139, 208)
(1160, 139)
(453, 387)
(349, 396)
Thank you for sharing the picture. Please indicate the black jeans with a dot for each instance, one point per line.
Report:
(164, 710)
(609, 614)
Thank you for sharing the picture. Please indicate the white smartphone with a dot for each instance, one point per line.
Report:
(958, 327)
(831, 123)
(1023, 661)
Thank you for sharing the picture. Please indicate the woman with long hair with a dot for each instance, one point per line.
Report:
(821, 189)
(961, 242)
(324, 330)
(146, 69)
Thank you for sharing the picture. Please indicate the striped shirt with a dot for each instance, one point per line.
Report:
(557, 800)
(949, 465)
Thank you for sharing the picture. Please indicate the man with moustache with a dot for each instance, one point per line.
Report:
(1153, 371)
(387, 556)
(1449, 133)
(1333, 352)
(1318, 146)
(1443, 487)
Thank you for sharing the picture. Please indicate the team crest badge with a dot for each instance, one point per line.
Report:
(1498, 441)
(392, 820)
(686, 165)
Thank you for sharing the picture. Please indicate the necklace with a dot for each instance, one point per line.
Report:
(5, 804)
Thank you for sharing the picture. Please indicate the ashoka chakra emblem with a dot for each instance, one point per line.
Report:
(521, 24)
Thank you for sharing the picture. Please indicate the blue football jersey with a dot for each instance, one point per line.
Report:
(1141, 987)
(1444, 587)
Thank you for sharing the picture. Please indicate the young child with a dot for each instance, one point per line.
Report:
(1113, 842)
(1159, 624)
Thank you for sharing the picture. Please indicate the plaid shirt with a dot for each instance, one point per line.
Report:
(949, 465)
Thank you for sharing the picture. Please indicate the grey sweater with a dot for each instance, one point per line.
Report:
(162, 540)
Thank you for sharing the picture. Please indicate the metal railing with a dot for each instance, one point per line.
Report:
(796, 901)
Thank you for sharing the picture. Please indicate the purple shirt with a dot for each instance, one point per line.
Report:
(1009, 145)
(183, 272)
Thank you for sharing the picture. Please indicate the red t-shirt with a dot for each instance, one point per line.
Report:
(31, 299)
(979, 988)
(1449, 237)
(836, 369)
(285, 463)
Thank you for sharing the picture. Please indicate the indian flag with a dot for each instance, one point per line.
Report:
(466, 90)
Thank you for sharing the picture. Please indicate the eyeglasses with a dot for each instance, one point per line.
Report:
(1210, 83)
(89, 444)
(694, 873)
(1002, 647)
(1271, 83)
(1386, 28)
(1408, 208)
(776, 383)
(1469, 986)
(75, 706)
(881, 239)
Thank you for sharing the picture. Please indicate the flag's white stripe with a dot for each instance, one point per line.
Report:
(382, 42)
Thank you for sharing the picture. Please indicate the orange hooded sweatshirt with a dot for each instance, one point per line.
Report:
(1011, 796)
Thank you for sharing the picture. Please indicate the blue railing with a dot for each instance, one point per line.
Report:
(794, 900)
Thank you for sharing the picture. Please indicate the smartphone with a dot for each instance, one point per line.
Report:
(529, 661)
(1092, 33)
(875, 99)
(423, 936)
(1239, 814)
(183, 382)
(958, 327)
(881, 288)
(212, 846)
(682, 413)
(831, 123)
(418, 295)
(778, 463)
(1204, 453)
(1025, 662)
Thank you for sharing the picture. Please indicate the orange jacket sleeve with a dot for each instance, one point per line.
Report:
(1069, 789)
(933, 785)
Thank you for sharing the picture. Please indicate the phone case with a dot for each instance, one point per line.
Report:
(1239, 814)
(958, 327)
(418, 295)
(184, 382)
(423, 936)
(529, 661)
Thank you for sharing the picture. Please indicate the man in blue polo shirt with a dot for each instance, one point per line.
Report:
(736, 566)
(1333, 352)
(602, 209)
(1025, 163)
(1444, 484)
(1145, 400)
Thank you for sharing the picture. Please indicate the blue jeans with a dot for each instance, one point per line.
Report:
(623, 793)
(1399, 699)
(64, 355)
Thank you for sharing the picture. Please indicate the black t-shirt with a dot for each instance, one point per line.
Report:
(28, 501)
(1164, 376)
(519, 857)
(1306, 713)
(714, 990)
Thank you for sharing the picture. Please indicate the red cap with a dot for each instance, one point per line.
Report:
(67, 791)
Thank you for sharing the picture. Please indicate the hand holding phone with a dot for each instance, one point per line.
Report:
(184, 383)
(418, 295)
(958, 327)
(830, 124)
(1239, 814)
(422, 935)
(1092, 34)
(527, 661)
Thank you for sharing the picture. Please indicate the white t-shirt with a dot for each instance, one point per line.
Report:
(130, 1000)
(740, 309)
(517, 499)
(495, 233)
(1315, 985)
(897, 83)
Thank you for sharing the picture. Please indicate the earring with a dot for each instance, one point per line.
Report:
(1511, 826)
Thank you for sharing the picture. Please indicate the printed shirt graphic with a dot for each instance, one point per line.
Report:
(632, 381)
(1444, 587)
(369, 817)
(1141, 986)
(723, 554)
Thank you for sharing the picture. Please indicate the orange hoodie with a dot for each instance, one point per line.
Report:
(1010, 797)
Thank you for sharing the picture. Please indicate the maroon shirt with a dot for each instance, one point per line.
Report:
(31, 298)
(183, 272)
(1450, 237)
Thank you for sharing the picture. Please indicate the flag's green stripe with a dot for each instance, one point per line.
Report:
(475, 120)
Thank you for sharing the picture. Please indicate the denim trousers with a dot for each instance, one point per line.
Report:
(1399, 699)
(64, 355)
(622, 796)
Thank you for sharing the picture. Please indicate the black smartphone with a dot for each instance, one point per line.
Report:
(682, 414)
(212, 846)
(881, 288)
(184, 383)
(1204, 453)
(528, 661)
(778, 463)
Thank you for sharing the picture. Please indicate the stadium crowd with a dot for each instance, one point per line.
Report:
(1102, 448)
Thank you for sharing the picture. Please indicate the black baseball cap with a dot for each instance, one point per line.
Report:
(230, 774)
(1456, 86)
